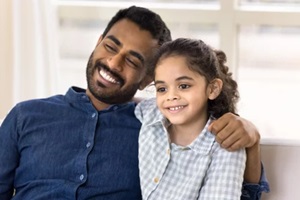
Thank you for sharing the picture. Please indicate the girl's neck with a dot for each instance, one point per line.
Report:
(185, 134)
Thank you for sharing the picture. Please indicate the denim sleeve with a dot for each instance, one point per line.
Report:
(9, 156)
(252, 191)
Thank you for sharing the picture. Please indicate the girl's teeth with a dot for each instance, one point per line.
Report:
(176, 108)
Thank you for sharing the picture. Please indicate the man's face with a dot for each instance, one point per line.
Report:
(117, 67)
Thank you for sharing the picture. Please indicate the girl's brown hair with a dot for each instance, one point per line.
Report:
(209, 63)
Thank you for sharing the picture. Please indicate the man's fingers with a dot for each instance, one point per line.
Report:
(211, 127)
(229, 141)
(236, 141)
(218, 125)
(225, 133)
(233, 132)
(238, 144)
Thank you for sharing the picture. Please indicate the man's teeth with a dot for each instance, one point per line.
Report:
(175, 108)
(107, 77)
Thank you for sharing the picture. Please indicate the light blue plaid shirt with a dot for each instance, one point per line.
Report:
(202, 170)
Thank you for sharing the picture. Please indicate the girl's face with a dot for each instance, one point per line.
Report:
(181, 94)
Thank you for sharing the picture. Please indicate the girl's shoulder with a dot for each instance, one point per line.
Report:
(147, 110)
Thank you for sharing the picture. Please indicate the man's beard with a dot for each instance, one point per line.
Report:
(98, 90)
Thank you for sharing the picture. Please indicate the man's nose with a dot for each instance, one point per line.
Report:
(115, 63)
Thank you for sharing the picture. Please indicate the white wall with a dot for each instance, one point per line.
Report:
(281, 160)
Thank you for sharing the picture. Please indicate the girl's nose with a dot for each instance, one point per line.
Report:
(172, 95)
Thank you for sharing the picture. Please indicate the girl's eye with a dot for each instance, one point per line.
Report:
(160, 89)
(184, 86)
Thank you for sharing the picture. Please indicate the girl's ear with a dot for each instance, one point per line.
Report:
(215, 88)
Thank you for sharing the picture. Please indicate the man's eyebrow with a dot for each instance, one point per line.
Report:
(114, 39)
(137, 55)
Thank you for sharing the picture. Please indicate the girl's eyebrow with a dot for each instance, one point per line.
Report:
(158, 82)
(184, 78)
(177, 79)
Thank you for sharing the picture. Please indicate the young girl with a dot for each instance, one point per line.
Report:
(178, 157)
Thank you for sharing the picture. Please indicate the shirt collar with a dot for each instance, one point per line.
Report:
(202, 144)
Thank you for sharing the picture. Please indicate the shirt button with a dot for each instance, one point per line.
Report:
(81, 177)
(156, 179)
(88, 145)
(168, 151)
(93, 115)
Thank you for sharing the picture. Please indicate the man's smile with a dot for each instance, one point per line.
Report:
(106, 76)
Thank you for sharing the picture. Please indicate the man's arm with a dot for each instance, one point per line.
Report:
(233, 133)
(9, 156)
(253, 164)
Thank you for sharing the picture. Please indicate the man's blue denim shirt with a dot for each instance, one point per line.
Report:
(254, 191)
(62, 148)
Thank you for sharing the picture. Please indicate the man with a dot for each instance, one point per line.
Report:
(84, 145)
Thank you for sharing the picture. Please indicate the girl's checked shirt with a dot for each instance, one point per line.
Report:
(202, 170)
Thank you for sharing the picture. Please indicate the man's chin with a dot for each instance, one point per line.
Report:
(113, 95)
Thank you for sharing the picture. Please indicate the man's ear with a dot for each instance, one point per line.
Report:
(145, 82)
(215, 88)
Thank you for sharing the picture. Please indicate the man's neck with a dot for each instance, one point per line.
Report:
(99, 105)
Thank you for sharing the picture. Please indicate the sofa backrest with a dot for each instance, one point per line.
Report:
(281, 159)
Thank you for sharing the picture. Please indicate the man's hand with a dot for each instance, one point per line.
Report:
(233, 132)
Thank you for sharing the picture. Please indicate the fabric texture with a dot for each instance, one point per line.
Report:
(63, 148)
(202, 170)
(252, 191)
